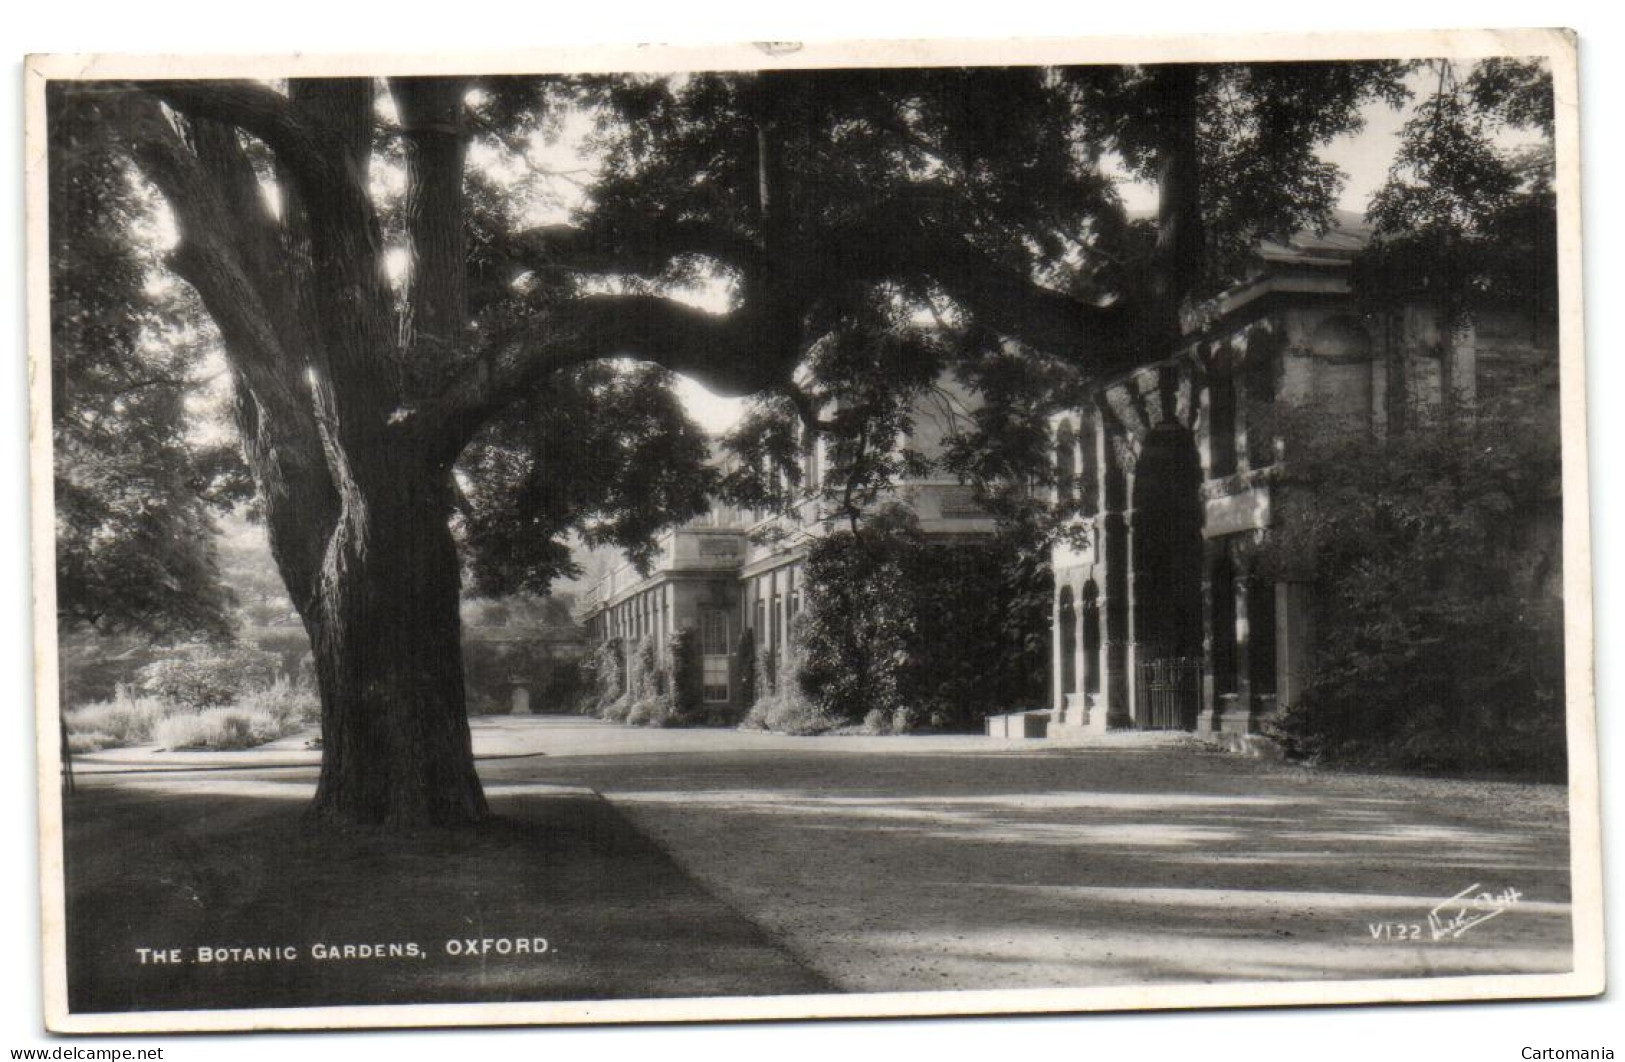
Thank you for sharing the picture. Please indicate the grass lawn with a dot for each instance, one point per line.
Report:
(181, 865)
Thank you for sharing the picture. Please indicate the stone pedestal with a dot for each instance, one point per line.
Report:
(520, 701)
(1226, 707)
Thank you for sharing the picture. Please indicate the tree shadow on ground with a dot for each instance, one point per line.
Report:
(180, 865)
(1112, 867)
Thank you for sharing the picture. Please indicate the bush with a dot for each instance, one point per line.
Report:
(745, 667)
(919, 633)
(789, 708)
(208, 676)
(218, 729)
(645, 685)
(685, 679)
(1437, 573)
(90, 741)
(259, 715)
(292, 706)
(125, 720)
(604, 676)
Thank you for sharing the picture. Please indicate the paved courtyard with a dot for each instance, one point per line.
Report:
(917, 863)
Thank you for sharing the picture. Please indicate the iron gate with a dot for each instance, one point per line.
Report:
(1170, 692)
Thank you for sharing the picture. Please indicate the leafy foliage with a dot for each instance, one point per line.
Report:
(785, 704)
(1464, 221)
(221, 729)
(744, 667)
(1437, 563)
(606, 667)
(257, 714)
(605, 453)
(134, 490)
(935, 635)
(206, 677)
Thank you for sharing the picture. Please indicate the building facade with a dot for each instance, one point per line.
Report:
(1163, 619)
(734, 569)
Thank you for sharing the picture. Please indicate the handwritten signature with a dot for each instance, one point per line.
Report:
(1468, 908)
(1450, 918)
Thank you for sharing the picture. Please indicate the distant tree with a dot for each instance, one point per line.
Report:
(134, 492)
(1465, 223)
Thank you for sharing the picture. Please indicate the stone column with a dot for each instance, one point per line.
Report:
(1294, 640)
(1116, 654)
(1057, 671)
(1244, 706)
(1081, 664)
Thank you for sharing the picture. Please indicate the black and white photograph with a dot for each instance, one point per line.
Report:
(797, 530)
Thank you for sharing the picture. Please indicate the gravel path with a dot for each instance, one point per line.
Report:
(891, 864)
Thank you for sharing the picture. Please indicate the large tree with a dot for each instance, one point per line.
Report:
(828, 205)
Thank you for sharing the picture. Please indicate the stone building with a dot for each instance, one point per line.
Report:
(1161, 617)
(735, 569)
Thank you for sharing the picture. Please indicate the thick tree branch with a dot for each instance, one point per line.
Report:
(729, 354)
(1101, 339)
(344, 106)
(645, 247)
(436, 143)
(209, 259)
(352, 299)
(275, 423)
(314, 154)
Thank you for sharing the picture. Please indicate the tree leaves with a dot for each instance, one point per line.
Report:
(135, 540)
(605, 453)
(1465, 222)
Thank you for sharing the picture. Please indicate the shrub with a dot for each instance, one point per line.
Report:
(644, 683)
(922, 633)
(765, 672)
(1436, 571)
(745, 667)
(685, 679)
(605, 675)
(292, 706)
(90, 741)
(123, 721)
(790, 709)
(258, 715)
(208, 676)
(217, 728)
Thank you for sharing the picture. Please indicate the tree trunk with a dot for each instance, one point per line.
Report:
(387, 637)
(1180, 245)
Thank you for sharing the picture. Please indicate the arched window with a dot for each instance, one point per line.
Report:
(1091, 637)
(1066, 467)
(810, 472)
(1342, 348)
(1088, 488)
(1066, 642)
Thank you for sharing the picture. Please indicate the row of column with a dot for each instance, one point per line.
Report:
(1257, 639)
(644, 614)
